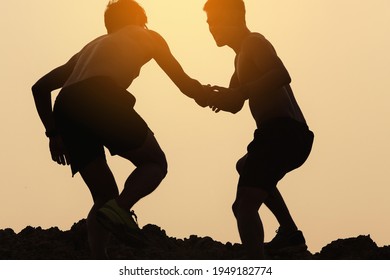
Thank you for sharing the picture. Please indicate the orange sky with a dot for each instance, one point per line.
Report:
(337, 54)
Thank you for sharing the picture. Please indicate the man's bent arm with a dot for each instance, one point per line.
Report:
(42, 92)
(268, 82)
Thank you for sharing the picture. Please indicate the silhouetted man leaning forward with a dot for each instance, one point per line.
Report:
(282, 140)
(93, 110)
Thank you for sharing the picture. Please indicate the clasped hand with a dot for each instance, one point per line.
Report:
(225, 99)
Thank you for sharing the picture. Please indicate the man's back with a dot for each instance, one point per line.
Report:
(119, 55)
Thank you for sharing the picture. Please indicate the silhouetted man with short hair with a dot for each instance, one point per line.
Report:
(282, 140)
(93, 110)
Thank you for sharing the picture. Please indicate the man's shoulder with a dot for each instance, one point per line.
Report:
(256, 35)
(155, 35)
(158, 40)
(255, 38)
(255, 41)
(97, 39)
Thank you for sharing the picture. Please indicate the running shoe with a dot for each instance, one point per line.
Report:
(286, 243)
(121, 224)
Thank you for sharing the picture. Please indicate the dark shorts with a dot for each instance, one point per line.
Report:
(94, 114)
(279, 146)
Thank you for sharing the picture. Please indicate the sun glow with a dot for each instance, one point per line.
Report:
(340, 88)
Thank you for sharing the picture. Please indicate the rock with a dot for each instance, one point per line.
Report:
(357, 248)
(54, 244)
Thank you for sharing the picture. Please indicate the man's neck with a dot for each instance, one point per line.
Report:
(236, 43)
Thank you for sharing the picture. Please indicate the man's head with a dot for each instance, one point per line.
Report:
(225, 17)
(120, 13)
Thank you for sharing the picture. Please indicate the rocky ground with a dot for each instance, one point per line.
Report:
(54, 244)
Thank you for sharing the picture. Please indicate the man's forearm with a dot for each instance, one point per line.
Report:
(43, 104)
(194, 89)
(42, 89)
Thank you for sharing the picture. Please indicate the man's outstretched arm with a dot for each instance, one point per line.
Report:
(271, 75)
(190, 87)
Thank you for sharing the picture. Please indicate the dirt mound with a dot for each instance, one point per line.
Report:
(53, 244)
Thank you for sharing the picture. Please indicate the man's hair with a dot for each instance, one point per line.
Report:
(120, 13)
(234, 8)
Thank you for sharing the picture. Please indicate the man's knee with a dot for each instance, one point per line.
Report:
(248, 201)
(242, 210)
(243, 207)
(160, 168)
(235, 208)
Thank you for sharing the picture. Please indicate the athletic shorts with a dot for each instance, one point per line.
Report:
(93, 114)
(279, 146)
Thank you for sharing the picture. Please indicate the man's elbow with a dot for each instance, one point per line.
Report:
(280, 78)
(38, 88)
(35, 89)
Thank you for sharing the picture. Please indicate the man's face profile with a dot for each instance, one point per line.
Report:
(221, 27)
